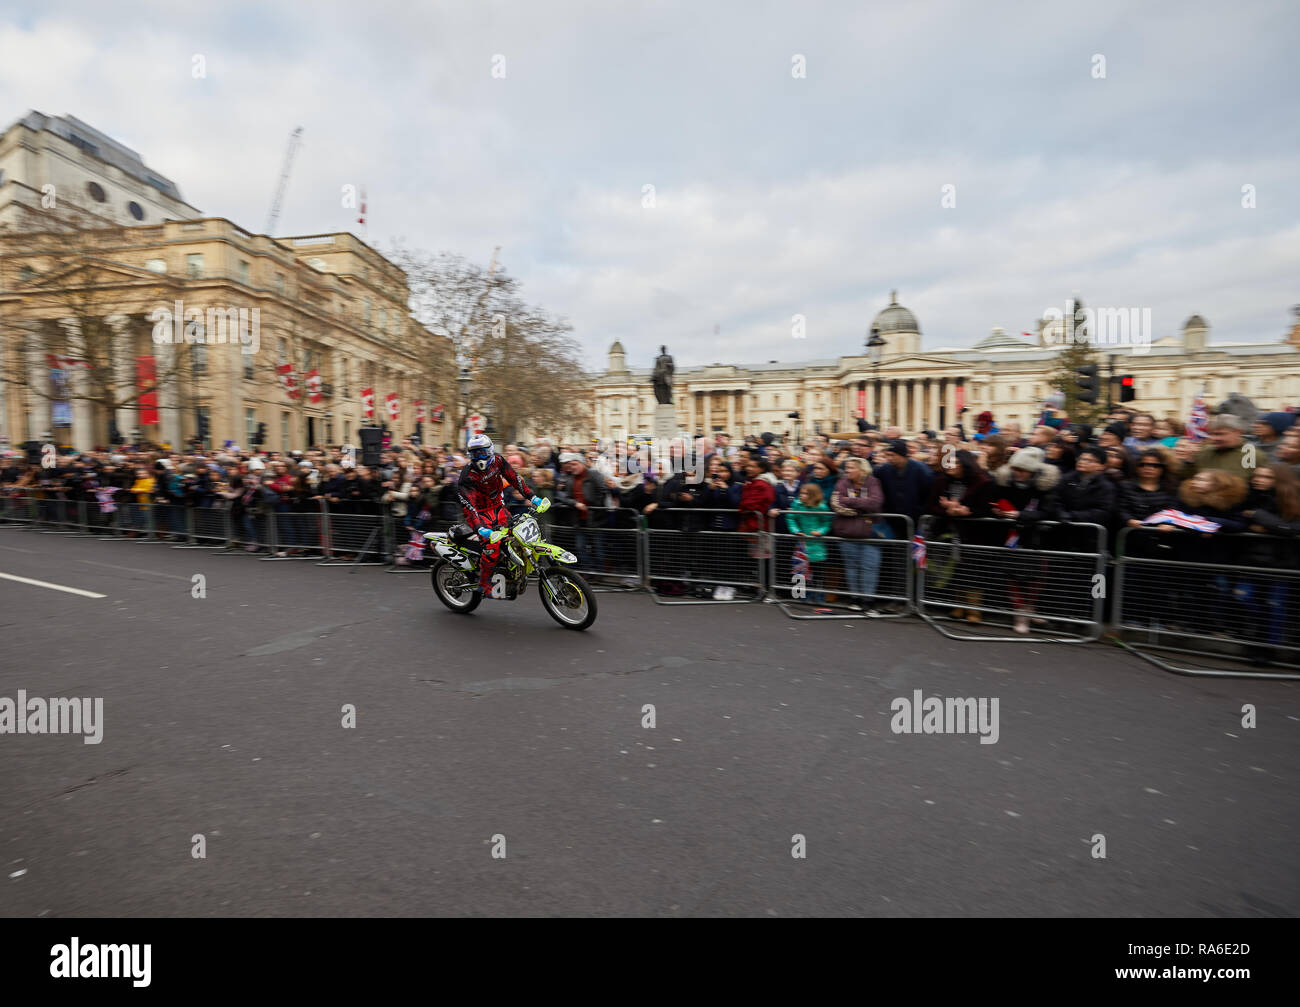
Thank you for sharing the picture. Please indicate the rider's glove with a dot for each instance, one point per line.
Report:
(535, 501)
(485, 532)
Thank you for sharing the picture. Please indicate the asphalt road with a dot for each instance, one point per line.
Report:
(222, 718)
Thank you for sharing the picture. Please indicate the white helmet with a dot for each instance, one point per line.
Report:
(480, 451)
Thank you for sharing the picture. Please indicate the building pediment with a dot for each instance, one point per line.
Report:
(99, 272)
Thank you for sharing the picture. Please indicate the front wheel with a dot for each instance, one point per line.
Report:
(574, 604)
(450, 585)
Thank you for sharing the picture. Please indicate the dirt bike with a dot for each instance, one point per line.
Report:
(565, 595)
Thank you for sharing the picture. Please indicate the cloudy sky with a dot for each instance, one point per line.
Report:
(774, 195)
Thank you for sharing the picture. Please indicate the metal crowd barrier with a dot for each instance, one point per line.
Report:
(1235, 597)
(607, 543)
(298, 534)
(698, 555)
(17, 508)
(1166, 599)
(854, 578)
(401, 538)
(355, 539)
(1060, 590)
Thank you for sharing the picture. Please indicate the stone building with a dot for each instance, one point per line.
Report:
(85, 317)
(917, 388)
(59, 163)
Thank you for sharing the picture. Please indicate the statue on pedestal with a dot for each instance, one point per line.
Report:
(663, 377)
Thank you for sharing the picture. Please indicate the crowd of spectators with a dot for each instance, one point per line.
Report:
(835, 496)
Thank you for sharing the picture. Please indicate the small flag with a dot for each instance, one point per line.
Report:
(919, 551)
(1180, 519)
(105, 497)
(415, 547)
(799, 565)
(314, 384)
(1200, 418)
(1013, 539)
(419, 411)
(391, 400)
(289, 380)
(368, 403)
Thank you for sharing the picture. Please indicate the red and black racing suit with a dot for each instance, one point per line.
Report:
(482, 497)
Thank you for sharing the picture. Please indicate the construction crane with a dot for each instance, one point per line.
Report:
(294, 139)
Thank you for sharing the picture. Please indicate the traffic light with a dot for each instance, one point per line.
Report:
(1085, 377)
(1127, 390)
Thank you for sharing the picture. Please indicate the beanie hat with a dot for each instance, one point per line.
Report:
(1280, 422)
(1098, 453)
(1028, 459)
(898, 446)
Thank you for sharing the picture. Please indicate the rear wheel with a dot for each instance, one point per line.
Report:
(574, 604)
(455, 588)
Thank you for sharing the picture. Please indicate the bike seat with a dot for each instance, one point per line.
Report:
(462, 533)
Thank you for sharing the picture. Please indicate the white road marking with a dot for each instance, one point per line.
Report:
(14, 548)
(52, 587)
(152, 573)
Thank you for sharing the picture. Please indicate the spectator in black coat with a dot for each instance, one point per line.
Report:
(1085, 496)
(1148, 492)
(905, 482)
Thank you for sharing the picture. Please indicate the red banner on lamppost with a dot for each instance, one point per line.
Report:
(146, 406)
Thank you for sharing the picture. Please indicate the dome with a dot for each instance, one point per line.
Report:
(1195, 322)
(895, 318)
(617, 347)
(999, 340)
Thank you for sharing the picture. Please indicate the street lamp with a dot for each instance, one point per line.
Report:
(875, 347)
(466, 383)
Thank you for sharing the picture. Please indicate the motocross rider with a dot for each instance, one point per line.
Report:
(481, 489)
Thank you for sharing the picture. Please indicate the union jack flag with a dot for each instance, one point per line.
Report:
(918, 551)
(104, 495)
(799, 565)
(1182, 520)
(415, 547)
(1013, 539)
(1199, 418)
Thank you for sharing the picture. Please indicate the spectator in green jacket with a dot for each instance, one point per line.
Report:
(1227, 450)
(810, 519)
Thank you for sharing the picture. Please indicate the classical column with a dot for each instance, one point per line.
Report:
(708, 413)
(169, 399)
(78, 381)
(731, 413)
(38, 379)
(932, 390)
(123, 364)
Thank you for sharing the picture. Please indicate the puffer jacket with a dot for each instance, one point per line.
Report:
(852, 505)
